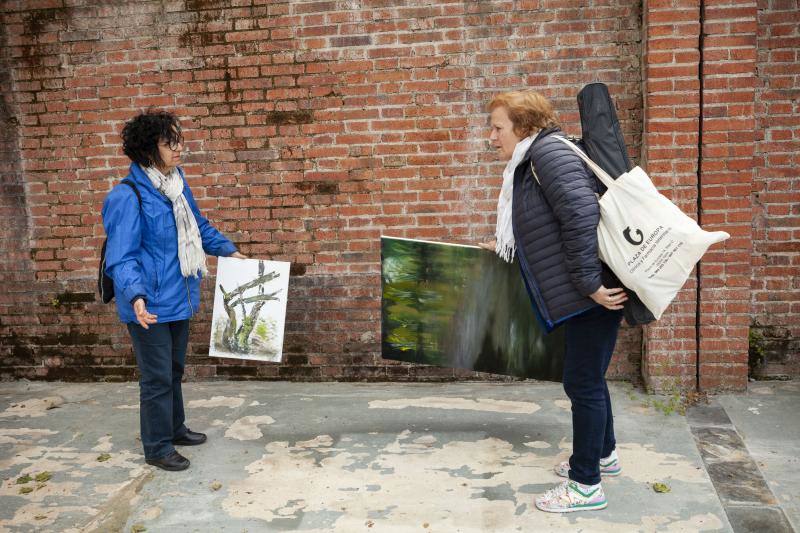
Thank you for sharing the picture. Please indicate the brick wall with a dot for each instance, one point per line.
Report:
(670, 155)
(726, 178)
(312, 129)
(315, 127)
(15, 263)
(720, 78)
(776, 192)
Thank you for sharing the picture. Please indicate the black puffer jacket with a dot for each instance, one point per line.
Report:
(555, 228)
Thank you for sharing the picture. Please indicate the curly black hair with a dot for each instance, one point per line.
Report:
(141, 135)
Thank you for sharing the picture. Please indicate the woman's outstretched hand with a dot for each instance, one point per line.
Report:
(610, 298)
(142, 315)
(491, 245)
(238, 255)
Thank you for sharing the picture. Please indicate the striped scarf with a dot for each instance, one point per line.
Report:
(190, 246)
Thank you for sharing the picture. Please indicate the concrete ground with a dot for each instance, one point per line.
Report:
(463, 457)
(768, 420)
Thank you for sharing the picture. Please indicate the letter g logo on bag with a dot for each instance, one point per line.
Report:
(627, 234)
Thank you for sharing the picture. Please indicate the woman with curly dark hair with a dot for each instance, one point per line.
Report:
(156, 254)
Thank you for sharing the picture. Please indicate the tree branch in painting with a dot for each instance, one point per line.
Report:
(236, 336)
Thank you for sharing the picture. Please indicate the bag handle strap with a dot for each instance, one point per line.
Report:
(130, 184)
(601, 174)
(535, 175)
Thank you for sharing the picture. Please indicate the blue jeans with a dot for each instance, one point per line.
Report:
(590, 340)
(160, 354)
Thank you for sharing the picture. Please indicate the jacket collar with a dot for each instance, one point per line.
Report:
(542, 134)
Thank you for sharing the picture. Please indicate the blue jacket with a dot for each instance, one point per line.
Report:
(142, 250)
(555, 222)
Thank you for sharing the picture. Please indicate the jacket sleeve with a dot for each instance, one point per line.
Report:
(567, 186)
(122, 221)
(214, 242)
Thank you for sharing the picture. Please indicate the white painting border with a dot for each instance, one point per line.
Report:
(233, 273)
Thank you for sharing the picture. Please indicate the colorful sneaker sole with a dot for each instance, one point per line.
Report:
(577, 507)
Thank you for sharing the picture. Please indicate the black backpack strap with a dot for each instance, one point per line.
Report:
(132, 185)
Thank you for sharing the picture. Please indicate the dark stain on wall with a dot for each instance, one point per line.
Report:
(297, 269)
(288, 117)
(74, 298)
(327, 187)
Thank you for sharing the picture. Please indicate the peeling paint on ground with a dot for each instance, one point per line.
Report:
(231, 402)
(642, 463)
(104, 444)
(340, 457)
(537, 444)
(23, 435)
(33, 407)
(246, 428)
(151, 513)
(38, 515)
(564, 404)
(59, 459)
(444, 402)
(382, 484)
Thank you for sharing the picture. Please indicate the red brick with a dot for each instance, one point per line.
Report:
(389, 137)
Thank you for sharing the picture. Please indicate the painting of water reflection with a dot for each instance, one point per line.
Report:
(459, 306)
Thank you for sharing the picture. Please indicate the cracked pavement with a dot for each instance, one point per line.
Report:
(318, 457)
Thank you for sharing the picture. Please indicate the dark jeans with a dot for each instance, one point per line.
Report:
(590, 340)
(160, 354)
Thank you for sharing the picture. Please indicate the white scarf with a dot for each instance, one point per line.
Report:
(190, 246)
(504, 233)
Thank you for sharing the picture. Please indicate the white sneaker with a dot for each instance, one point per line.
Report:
(609, 466)
(570, 496)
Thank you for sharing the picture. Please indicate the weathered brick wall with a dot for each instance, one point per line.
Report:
(726, 177)
(721, 132)
(670, 154)
(312, 129)
(775, 341)
(15, 263)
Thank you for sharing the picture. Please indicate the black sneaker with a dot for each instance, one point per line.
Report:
(192, 438)
(172, 462)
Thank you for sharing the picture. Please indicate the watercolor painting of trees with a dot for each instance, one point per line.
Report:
(249, 309)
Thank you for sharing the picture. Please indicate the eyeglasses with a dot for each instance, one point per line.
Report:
(172, 144)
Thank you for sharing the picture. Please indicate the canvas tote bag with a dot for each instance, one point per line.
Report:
(644, 238)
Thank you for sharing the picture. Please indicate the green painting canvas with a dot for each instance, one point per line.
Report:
(460, 306)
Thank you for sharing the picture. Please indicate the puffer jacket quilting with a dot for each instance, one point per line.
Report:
(555, 228)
